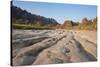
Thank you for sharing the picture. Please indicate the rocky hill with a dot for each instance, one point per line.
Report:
(22, 17)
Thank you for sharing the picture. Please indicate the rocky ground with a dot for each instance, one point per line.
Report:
(32, 47)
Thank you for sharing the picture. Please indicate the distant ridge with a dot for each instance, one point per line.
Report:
(20, 16)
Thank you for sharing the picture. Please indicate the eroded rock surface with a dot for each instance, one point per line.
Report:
(30, 47)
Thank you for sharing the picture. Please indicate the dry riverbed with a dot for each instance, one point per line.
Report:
(32, 47)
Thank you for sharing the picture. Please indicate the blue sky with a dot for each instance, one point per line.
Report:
(59, 12)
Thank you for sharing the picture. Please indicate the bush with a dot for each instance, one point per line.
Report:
(25, 26)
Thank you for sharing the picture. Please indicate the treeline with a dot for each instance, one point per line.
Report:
(21, 19)
(85, 24)
(88, 24)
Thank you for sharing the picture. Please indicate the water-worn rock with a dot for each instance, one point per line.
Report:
(52, 46)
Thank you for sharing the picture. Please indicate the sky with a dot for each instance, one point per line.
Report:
(60, 12)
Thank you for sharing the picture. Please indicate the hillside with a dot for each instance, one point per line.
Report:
(23, 19)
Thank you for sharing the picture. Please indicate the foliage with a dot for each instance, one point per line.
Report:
(85, 24)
